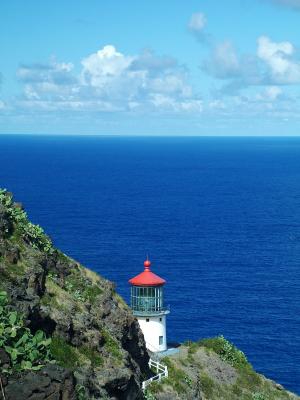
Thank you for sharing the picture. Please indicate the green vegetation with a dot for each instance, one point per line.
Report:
(148, 395)
(199, 368)
(71, 357)
(111, 345)
(34, 234)
(80, 392)
(80, 287)
(177, 377)
(94, 357)
(259, 396)
(226, 350)
(65, 354)
(26, 351)
(16, 269)
(206, 384)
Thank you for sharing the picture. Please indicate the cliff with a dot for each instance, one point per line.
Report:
(96, 348)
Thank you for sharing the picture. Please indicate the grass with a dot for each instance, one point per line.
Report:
(72, 357)
(155, 387)
(206, 384)
(62, 257)
(81, 288)
(58, 298)
(66, 355)
(51, 301)
(93, 356)
(16, 269)
(177, 377)
(111, 345)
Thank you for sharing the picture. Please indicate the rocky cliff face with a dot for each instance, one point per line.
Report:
(97, 345)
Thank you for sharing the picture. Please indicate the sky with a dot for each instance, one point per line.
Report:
(133, 67)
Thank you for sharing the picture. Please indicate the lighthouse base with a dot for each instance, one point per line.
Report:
(154, 330)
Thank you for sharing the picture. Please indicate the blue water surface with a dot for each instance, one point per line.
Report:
(219, 218)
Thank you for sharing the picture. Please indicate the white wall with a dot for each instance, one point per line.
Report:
(152, 330)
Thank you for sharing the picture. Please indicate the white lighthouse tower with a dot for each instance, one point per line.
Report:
(147, 303)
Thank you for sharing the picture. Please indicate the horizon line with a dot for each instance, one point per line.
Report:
(146, 135)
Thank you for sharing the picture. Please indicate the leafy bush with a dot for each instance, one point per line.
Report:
(226, 350)
(188, 381)
(26, 351)
(148, 395)
(33, 233)
(80, 392)
(37, 237)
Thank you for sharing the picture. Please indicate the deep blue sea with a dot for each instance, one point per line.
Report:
(219, 218)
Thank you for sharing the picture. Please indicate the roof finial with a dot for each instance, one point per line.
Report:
(147, 264)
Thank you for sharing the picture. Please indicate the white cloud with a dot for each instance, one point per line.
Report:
(223, 62)
(271, 93)
(277, 56)
(238, 70)
(197, 25)
(109, 81)
(170, 83)
(289, 3)
(168, 103)
(106, 63)
(197, 22)
(274, 64)
(217, 104)
(54, 72)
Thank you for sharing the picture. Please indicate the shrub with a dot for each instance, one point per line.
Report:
(259, 396)
(80, 392)
(26, 351)
(148, 395)
(226, 350)
(34, 234)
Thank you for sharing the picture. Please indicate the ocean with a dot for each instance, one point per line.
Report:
(218, 217)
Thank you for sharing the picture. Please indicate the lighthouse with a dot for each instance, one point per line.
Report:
(147, 304)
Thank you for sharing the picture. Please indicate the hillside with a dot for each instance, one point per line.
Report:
(214, 369)
(97, 345)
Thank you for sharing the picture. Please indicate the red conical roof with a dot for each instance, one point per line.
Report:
(147, 278)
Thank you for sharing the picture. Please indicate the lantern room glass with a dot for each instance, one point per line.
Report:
(147, 299)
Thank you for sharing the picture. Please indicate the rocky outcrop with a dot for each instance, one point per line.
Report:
(95, 338)
(51, 383)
